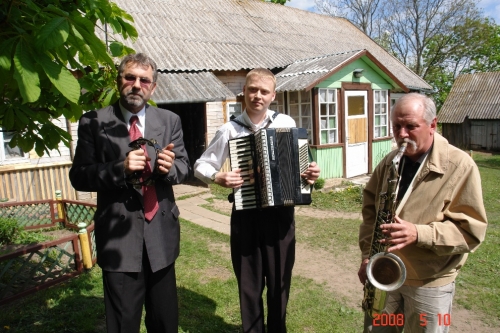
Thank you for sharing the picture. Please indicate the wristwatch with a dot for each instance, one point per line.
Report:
(213, 176)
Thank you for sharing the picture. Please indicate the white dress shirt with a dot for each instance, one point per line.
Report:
(217, 152)
(141, 123)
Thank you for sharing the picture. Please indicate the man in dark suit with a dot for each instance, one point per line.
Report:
(136, 227)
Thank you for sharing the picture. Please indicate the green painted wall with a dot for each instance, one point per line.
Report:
(330, 161)
(379, 150)
(370, 75)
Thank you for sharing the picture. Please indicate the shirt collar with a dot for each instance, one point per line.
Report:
(127, 115)
(246, 120)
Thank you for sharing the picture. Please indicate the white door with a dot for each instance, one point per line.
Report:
(356, 133)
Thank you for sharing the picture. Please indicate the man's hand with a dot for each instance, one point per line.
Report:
(312, 173)
(231, 179)
(135, 161)
(166, 159)
(400, 234)
(362, 271)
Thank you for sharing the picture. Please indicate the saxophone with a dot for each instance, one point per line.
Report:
(385, 271)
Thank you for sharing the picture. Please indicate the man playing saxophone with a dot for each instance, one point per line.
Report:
(440, 218)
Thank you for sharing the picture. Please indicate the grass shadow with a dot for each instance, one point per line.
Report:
(197, 313)
(73, 306)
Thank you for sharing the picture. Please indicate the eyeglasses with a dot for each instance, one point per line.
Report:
(144, 81)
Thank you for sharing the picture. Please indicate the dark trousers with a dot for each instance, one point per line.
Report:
(126, 293)
(263, 254)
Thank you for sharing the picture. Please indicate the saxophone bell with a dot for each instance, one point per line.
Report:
(386, 271)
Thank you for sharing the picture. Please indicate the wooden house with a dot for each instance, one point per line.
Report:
(331, 78)
(470, 116)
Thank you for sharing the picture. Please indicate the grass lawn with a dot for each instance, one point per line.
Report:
(478, 283)
(208, 298)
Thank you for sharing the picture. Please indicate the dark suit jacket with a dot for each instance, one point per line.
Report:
(98, 166)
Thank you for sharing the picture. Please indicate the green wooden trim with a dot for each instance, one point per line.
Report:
(379, 150)
(330, 161)
(372, 74)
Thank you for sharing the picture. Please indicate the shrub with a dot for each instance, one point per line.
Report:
(319, 184)
(9, 230)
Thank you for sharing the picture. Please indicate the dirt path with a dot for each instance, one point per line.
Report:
(339, 273)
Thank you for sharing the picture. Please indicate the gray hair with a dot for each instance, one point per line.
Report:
(425, 102)
(140, 59)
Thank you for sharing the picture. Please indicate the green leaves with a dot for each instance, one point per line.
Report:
(119, 50)
(41, 46)
(25, 73)
(472, 46)
(53, 34)
(82, 25)
(61, 78)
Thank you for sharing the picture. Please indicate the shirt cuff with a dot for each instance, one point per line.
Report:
(424, 236)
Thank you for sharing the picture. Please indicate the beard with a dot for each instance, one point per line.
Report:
(134, 99)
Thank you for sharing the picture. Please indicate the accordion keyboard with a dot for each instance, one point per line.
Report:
(271, 162)
(242, 157)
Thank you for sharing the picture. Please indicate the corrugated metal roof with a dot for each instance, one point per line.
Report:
(230, 35)
(301, 74)
(472, 95)
(190, 87)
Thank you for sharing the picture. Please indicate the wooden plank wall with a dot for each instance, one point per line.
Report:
(36, 182)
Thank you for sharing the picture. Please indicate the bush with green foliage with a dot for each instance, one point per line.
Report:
(319, 184)
(9, 230)
(12, 233)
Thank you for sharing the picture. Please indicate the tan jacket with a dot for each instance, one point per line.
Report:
(447, 207)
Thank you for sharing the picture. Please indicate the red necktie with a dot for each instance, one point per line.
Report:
(148, 192)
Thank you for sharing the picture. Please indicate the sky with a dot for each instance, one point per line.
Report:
(491, 7)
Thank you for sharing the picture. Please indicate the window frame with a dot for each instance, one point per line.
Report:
(387, 125)
(327, 129)
(232, 104)
(3, 156)
(299, 119)
(279, 103)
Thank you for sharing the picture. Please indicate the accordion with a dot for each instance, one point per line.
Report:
(271, 161)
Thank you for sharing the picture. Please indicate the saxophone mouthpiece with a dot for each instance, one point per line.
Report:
(401, 150)
(400, 153)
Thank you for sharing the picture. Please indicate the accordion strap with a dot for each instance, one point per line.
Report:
(233, 118)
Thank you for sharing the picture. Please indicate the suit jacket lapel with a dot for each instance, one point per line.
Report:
(154, 130)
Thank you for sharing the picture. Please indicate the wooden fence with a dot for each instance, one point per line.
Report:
(21, 183)
(39, 266)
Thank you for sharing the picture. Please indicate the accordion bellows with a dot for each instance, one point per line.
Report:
(271, 161)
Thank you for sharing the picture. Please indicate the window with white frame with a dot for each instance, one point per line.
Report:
(233, 109)
(381, 121)
(8, 154)
(299, 108)
(278, 104)
(328, 116)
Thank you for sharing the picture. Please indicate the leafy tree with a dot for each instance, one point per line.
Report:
(471, 47)
(53, 62)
